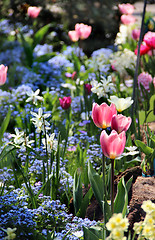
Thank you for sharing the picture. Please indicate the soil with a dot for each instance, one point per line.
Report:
(143, 189)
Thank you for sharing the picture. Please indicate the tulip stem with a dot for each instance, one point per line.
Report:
(104, 193)
(112, 186)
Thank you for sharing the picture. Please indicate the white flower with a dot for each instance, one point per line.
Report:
(68, 85)
(121, 60)
(39, 120)
(78, 234)
(18, 137)
(103, 87)
(85, 116)
(121, 103)
(26, 143)
(51, 143)
(138, 226)
(131, 150)
(10, 233)
(79, 82)
(148, 206)
(123, 34)
(33, 96)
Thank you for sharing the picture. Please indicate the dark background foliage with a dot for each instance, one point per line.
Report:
(102, 15)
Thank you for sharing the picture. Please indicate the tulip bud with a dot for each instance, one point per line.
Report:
(33, 12)
(120, 123)
(65, 102)
(88, 87)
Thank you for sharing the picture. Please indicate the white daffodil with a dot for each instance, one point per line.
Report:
(103, 87)
(18, 136)
(33, 96)
(121, 103)
(51, 143)
(26, 143)
(11, 233)
(39, 120)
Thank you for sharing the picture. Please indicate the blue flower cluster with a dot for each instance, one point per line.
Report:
(14, 216)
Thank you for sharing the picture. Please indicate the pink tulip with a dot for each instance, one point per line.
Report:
(3, 74)
(102, 114)
(149, 39)
(120, 123)
(74, 75)
(126, 8)
(143, 49)
(33, 12)
(83, 30)
(73, 35)
(65, 102)
(87, 88)
(128, 19)
(112, 145)
(135, 34)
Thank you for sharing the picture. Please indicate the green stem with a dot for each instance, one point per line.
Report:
(112, 186)
(68, 121)
(104, 197)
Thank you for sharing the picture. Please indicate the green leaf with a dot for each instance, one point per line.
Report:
(6, 150)
(121, 200)
(28, 50)
(77, 192)
(96, 183)
(89, 235)
(77, 64)
(107, 209)
(143, 147)
(127, 188)
(130, 72)
(38, 37)
(84, 204)
(4, 125)
(45, 57)
(129, 140)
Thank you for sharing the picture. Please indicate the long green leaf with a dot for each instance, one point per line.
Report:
(89, 235)
(144, 148)
(28, 50)
(6, 150)
(45, 57)
(96, 183)
(38, 37)
(77, 192)
(84, 204)
(127, 188)
(121, 200)
(4, 125)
